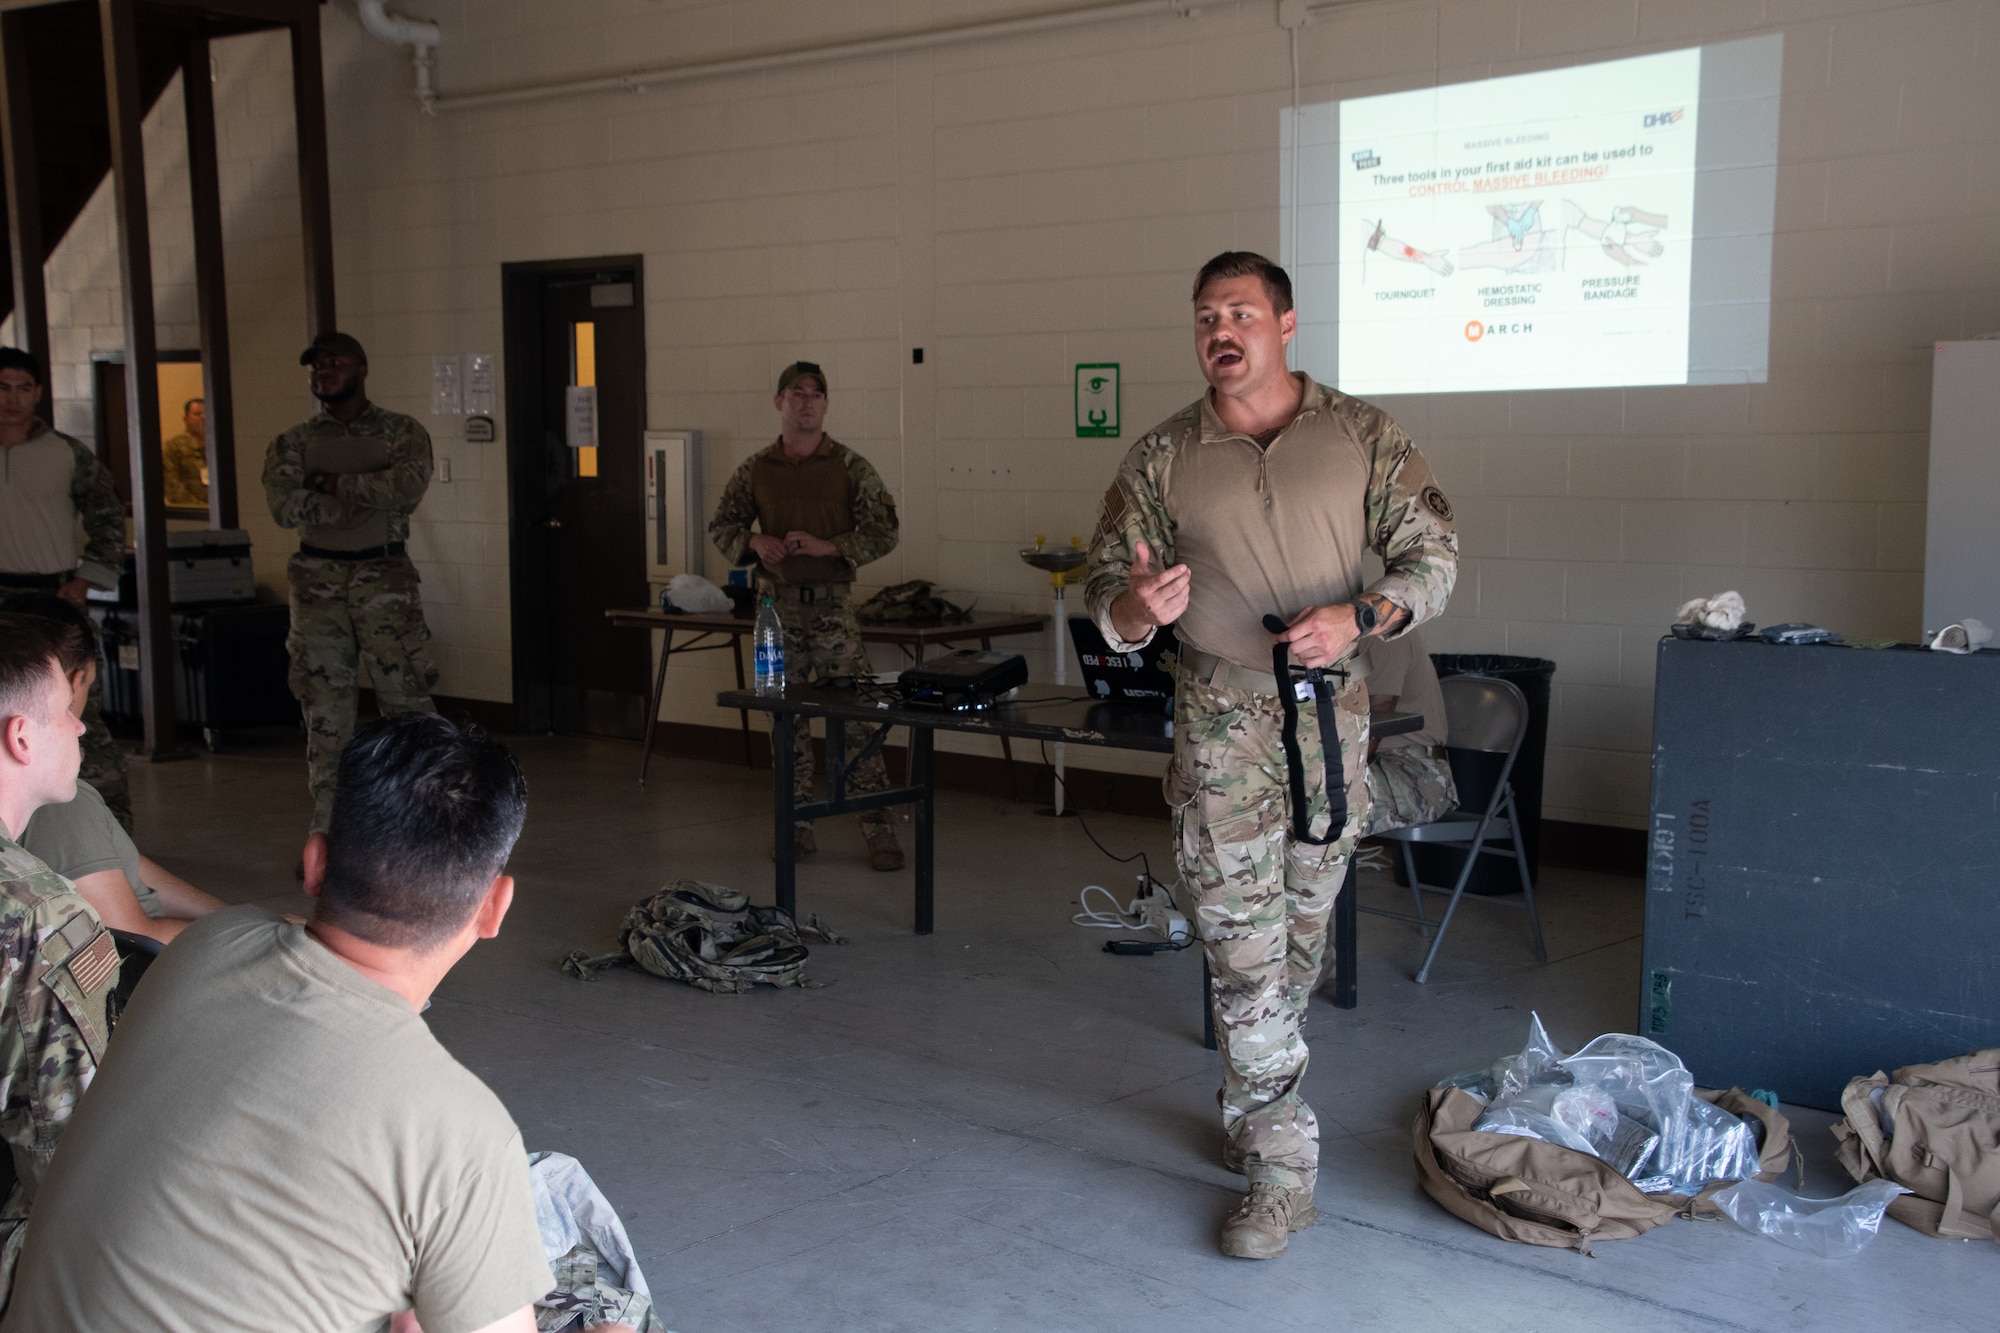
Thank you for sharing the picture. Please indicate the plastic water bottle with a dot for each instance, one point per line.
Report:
(768, 640)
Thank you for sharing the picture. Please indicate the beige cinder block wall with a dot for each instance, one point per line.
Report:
(1016, 206)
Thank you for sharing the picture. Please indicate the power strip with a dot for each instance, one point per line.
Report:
(1158, 912)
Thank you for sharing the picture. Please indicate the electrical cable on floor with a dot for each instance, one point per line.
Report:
(1140, 856)
(1115, 919)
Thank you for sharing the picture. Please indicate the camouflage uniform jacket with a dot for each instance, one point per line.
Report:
(394, 490)
(94, 501)
(873, 529)
(1403, 516)
(58, 966)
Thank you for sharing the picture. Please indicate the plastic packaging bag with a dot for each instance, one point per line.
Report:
(1625, 1100)
(1830, 1228)
(696, 595)
(1698, 1143)
(1510, 1074)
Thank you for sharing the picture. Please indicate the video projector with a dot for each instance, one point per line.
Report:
(968, 678)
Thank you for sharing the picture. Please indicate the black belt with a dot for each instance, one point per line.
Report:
(1329, 741)
(365, 553)
(34, 582)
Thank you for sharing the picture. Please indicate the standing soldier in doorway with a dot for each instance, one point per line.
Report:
(1255, 501)
(348, 480)
(821, 513)
(184, 459)
(49, 482)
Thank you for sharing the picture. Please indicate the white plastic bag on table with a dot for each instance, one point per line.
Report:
(696, 595)
(1830, 1228)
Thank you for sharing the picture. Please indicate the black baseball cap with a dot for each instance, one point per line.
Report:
(340, 344)
(799, 370)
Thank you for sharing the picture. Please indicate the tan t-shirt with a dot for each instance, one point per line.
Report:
(82, 837)
(1402, 668)
(276, 1142)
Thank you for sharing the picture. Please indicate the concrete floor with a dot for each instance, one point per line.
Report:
(1000, 1126)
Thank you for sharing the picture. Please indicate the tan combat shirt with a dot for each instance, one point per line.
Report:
(48, 483)
(1274, 529)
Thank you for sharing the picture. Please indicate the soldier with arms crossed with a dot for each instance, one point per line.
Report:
(1260, 499)
(820, 512)
(348, 480)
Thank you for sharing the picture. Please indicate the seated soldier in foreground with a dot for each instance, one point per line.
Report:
(282, 1143)
(81, 839)
(57, 962)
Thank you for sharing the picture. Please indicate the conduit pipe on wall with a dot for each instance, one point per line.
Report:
(637, 81)
(419, 35)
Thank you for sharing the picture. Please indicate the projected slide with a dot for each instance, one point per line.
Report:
(1540, 231)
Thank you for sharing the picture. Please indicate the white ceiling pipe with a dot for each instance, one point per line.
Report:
(929, 39)
(395, 29)
(419, 35)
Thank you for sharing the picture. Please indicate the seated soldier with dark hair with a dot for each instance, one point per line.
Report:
(81, 839)
(281, 1142)
(57, 962)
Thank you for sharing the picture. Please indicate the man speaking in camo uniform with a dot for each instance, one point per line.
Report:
(1260, 499)
(348, 480)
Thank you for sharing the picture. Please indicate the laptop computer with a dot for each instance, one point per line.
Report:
(1136, 679)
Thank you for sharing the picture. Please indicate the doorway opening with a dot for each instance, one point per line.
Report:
(576, 413)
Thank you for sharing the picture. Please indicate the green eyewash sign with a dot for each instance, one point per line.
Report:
(1097, 400)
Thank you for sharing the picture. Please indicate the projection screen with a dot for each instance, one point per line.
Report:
(1597, 225)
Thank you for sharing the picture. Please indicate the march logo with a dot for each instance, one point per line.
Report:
(1474, 330)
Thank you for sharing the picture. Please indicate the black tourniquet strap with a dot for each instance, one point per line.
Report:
(1329, 739)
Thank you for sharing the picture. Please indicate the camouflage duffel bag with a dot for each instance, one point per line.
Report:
(712, 937)
(910, 603)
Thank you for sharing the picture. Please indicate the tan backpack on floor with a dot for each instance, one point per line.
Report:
(1538, 1193)
(1937, 1132)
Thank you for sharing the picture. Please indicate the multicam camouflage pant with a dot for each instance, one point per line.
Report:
(342, 612)
(584, 1298)
(1408, 785)
(103, 756)
(822, 638)
(1261, 900)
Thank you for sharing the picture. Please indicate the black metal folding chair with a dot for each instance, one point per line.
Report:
(1482, 714)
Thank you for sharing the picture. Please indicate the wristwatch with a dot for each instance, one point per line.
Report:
(1365, 618)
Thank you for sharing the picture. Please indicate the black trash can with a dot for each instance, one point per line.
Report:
(1477, 774)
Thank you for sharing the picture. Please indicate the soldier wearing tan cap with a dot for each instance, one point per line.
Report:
(819, 512)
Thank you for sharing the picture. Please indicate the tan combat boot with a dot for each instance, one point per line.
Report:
(1260, 1226)
(884, 853)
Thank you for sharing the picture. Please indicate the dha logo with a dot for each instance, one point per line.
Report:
(1656, 119)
